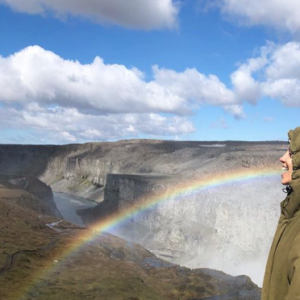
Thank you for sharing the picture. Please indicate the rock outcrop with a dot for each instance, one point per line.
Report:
(32, 186)
(227, 228)
(43, 257)
(82, 169)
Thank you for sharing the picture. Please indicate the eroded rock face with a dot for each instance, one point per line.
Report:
(34, 187)
(82, 169)
(227, 227)
(103, 267)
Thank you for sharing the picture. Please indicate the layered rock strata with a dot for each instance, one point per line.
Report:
(227, 227)
(39, 260)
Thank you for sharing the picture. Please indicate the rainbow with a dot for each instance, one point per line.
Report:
(183, 190)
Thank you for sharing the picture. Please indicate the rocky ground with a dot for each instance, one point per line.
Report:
(82, 169)
(36, 261)
(228, 228)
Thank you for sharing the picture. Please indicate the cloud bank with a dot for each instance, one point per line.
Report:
(35, 75)
(68, 125)
(73, 102)
(283, 15)
(137, 14)
(275, 73)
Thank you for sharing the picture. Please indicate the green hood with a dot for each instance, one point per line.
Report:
(282, 275)
(291, 204)
(294, 137)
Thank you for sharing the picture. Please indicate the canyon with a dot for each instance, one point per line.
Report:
(226, 226)
(44, 257)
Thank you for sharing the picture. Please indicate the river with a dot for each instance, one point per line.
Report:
(68, 204)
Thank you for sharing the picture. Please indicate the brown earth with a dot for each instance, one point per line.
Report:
(34, 264)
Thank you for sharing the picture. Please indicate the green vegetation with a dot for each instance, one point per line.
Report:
(56, 179)
(81, 183)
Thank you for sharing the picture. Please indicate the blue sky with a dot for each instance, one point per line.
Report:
(162, 69)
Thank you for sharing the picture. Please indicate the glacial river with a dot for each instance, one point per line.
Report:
(68, 204)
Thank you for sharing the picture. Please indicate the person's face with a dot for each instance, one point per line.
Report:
(287, 165)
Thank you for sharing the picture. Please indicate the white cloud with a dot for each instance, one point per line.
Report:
(236, 110)
(142, 14)
(246, 88)
(191, 84)
(72, 102)
(35, 75)
(287, 90)
(285, 62)
(283, 15)
(274, 73)
(66, 136)
(64, 125)
(77, 102)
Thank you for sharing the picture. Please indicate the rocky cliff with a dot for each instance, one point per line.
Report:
(30, 186)
(43, 257)
(82, 169)
(226, 227)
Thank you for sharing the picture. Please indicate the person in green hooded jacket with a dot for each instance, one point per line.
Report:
(282, 276)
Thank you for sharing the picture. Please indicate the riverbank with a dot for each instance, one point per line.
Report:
(68, 204)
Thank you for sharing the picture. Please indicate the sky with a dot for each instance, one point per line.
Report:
(74, 71)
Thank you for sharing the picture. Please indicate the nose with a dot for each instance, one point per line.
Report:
(282, 159)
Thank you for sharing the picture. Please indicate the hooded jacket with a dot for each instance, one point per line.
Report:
(282, 276)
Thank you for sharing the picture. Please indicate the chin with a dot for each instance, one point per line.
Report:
(285, 182)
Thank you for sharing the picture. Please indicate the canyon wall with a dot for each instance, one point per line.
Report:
(227, 226)
(88, 164)
(33, 186)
